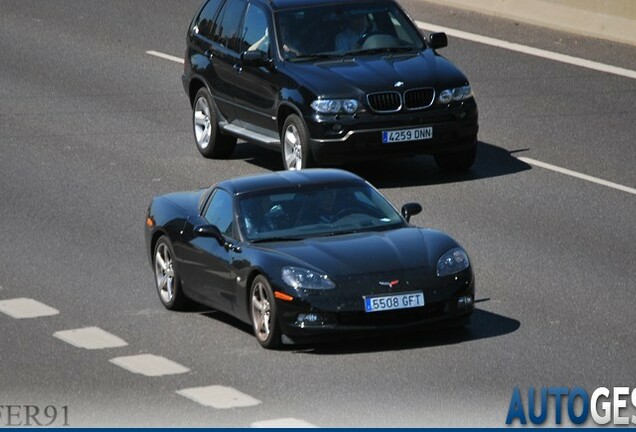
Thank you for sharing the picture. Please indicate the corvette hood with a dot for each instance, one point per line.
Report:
(365, 74)
(371, 252)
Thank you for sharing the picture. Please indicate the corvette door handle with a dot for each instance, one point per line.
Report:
(238, 68)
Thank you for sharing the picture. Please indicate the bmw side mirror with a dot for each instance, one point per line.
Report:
(438, 40)
(411, 209)
(253, 58)
(209, 231)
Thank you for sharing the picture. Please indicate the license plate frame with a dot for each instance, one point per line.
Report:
(406, 135)
(397, 301)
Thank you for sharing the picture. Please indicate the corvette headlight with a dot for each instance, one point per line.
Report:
(335, 106)
(298, 277)
(455, 94)
(453, 261)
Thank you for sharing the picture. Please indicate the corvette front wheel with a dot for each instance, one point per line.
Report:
(167, 277)
(263, 314)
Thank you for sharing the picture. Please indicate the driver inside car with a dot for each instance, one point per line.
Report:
(349, 38)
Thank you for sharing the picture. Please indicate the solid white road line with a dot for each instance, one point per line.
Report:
(219, 397)
(563, 58)
(90, 338)
(282, 423)
(20, 308)
(149, 365)
(165, 56)
(578, 175)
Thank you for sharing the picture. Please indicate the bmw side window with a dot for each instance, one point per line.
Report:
(227, 31)
(255, 31)
(220, 212)
(205, 24)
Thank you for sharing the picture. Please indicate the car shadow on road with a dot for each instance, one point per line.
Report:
(492, 161)
(484, 325)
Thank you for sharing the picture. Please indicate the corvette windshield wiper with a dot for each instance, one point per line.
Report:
(276, 239)
(319, 56)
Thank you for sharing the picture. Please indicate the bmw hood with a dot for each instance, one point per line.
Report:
(370, 252)
(350, 76)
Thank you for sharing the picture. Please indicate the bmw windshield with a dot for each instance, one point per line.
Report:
(345, 29)
(298, 213)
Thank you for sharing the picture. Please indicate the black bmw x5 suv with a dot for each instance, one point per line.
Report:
(324, 82)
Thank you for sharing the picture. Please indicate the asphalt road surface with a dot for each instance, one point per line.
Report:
(91, 128)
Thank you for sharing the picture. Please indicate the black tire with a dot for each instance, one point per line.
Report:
(263, 313)
(294, 141)
(167, 277)
(210, 142)
(457, 161)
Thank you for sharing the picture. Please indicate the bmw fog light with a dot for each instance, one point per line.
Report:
(464, 301)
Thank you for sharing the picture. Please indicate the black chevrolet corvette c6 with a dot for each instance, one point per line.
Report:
(304, 254)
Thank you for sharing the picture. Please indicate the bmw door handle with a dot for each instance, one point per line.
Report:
(209, 54)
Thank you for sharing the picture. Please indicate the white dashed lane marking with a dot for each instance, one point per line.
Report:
(20, 308)
(149, 365)
(90, 338)
(165, 56)
(550, 55)
(283, 423)
(218, 397)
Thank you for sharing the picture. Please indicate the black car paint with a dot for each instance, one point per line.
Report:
(219, 276)
(259, 98)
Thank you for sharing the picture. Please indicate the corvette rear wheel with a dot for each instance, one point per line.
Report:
(167, 277)
(205, 122)
(263, 313)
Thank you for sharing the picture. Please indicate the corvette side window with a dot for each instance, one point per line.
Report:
(205, 25)
(220, 212)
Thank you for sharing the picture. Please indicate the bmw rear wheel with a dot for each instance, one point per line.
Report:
(167, 277)
(263, 313)
(295, 143)
(207, 135)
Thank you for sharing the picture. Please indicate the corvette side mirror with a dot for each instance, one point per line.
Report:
(438, 40)
(209, 231)
(411, 209)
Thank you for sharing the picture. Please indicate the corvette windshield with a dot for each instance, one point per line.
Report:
(348, 28)
(299, 213)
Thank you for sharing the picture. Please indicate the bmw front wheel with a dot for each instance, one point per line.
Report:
(295, 143)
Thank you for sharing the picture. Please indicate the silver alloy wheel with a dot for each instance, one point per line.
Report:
(202, 125)
(292, 148)
(261, 312)
(164, 273)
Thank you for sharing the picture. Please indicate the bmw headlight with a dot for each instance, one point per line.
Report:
(455, 94)
(335, 106)
(453, 261)
(298, 277)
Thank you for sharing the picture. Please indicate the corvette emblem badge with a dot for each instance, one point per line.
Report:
(390, 284)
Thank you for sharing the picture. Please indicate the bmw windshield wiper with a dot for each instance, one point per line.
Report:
(276, 239)
(382, 50)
